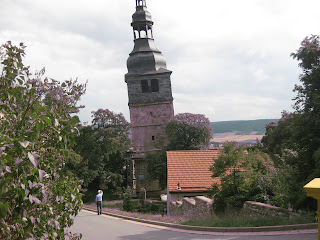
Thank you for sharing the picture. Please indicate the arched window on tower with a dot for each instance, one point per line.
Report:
(143, 34)
(136, 34)
(150, 35)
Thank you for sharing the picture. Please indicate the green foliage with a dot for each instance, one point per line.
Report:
(71, 164)
(299, 132)
(307, 108)
(242, 219)
(37, 199)
(148, 207)
(279, 136)
(284, 188)
(242, 127)
(102, 147)
(157, 167)
(127, 202)
(188, 132)
(241, 173)
(112, 204)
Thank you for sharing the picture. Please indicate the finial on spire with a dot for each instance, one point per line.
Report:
(141, 3)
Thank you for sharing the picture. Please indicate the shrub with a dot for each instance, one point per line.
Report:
(127, 202)
(37, 201)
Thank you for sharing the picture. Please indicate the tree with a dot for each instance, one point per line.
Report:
(102, 147)
(299, 132)
(157, 167)
(127, 203)
(241, 173)
(189, 132)
(186, 131)
(36, 199)
(307, 108)
(307, 99)
(280, 135)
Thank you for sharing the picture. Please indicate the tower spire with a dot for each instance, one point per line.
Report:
(145, 57)
(142, 21)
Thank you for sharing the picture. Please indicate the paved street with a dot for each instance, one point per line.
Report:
(99, 227)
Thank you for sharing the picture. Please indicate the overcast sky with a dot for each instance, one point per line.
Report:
(230, 59)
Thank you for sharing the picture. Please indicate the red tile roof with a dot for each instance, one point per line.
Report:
(191, 169)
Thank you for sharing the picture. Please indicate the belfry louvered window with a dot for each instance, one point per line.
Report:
(144, 86)
(149, 85)
(154, 85)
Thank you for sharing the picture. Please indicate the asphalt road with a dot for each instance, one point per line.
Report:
(94, 227)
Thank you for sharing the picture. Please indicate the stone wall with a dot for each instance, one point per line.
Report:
(148, 125)
(266, 209)
(199, 207)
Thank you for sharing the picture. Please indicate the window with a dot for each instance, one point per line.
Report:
(150, 85)
(153, 138)
(144, 86)
(141, 177)
(154, 85)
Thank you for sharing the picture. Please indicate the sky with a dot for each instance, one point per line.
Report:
(230, 59)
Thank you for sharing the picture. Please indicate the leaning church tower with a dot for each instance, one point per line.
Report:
(149, 91)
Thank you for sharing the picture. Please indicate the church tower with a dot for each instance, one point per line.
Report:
(149, 86)
(149, 89)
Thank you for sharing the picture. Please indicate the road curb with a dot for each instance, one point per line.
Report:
(216, 229)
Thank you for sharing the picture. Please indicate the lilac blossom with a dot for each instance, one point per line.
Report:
(35, 112)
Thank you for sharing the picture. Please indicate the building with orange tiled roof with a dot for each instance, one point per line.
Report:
(189, 173)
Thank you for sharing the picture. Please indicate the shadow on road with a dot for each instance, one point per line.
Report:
(170, 235)
(156, 235)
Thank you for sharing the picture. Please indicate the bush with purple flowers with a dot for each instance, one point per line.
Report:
(36, 131)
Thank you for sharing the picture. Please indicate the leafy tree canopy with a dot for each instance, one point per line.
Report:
(299, 132)
(37, 201)
(189, 131)
(102, 147)
(243, 174)
(278, 136)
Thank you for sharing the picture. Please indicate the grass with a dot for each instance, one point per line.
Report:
(112, 204)
(230, 219)
(243, 220)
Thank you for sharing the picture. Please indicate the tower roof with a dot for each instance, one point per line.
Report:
(141, 17)
(145, 57)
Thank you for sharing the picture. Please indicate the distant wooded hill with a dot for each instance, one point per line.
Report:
(243, 127)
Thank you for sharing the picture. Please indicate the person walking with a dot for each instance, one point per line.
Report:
(99, 201)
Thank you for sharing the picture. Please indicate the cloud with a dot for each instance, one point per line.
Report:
(230, 59)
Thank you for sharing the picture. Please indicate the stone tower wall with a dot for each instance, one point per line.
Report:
(148, 125)
(136, 95)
